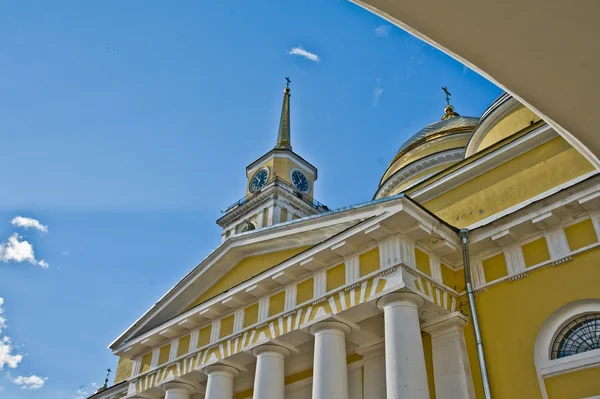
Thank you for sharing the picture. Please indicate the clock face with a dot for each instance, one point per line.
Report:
(259, 179)
(300, 181)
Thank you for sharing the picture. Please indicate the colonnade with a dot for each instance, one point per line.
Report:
(405, 370)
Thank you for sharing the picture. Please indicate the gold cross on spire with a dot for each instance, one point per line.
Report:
(288, 81)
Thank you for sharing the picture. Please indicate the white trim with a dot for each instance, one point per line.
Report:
(547, 367)
(488, 121)
(306, 177)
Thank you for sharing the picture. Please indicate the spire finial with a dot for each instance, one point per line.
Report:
(105, 385)
(449, 110)
(284, 135)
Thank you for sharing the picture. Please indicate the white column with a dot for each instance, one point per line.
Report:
(451, 370)
(178, 390)
(269, 379)
(405, 372)
(374, 369)
(220, 381)
(330, 373)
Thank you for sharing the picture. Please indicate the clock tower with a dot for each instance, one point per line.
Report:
(280, 185)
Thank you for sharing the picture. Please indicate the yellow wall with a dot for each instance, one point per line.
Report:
(369, 262)
(519, 119)
(511, 315)
(124, 369)
(276, 303)
(226, 326)
(184, 345)
(581, 234)
(204, 336)
(250, 315)
(453, 279)
(305, 291)
(245, 270)
(422, 260)
(536, 252)
(494, 267)
(427, 349)
(579, 384)
(513, 182)
(336, 277)
(146, 362)
(163, 354)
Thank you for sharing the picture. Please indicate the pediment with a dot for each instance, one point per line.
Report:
(278, 243)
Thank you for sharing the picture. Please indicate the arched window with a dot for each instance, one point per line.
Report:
(248, 227)
(580, 335)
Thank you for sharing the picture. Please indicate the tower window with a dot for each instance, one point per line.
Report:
(580, 335)
(248, 227)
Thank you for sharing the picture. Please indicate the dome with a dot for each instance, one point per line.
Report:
(430, 150)
(449, 125)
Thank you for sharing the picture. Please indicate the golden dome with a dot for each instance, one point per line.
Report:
(431, 149)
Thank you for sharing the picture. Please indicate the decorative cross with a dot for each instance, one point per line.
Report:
(447, 94)
(288, 82)
(107, 373)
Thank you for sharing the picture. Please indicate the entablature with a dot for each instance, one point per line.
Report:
(396, 227)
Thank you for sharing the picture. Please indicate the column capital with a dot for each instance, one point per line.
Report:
(407, 299)
(329, 325)
(221, 369)
(453, 322)
(178, 386)
(270, 348)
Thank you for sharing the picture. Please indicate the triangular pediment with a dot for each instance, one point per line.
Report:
(243, 256)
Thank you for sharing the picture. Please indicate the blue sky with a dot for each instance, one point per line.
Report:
(126, 127)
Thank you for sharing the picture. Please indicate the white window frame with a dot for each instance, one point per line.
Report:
(544, 364)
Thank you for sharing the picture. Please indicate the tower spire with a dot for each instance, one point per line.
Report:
(283, 136)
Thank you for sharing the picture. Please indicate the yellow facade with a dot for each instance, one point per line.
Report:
(281, 168)
(558, 253)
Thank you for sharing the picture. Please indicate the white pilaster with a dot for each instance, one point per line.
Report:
(259, 219)
(451, 370)
(330, 372)
(220, 381)
(406, 375)
(352, 269)
(290, 296)
(515, 260)
(155, 356)
(174, 348)
(269, 379)
(320, 283)
(374, 369)
(558, 246)
(435, 266)
(395, 250)
(178, 390)
(194, 339)
(238, 320)
(215, 331)
(135, 369)
(263, 309)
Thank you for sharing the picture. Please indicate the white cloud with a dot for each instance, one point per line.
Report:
(6, 356)
(377, 92)
(27, 223)
(15, 249)
(382, 30)
(6, 349)
(32, 382)
(303, 53)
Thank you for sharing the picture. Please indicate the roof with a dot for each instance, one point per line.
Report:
(455, 123)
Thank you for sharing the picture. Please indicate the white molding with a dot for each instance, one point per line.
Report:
(547, 367)
(320, 283)
(215, 331)
(352, 266)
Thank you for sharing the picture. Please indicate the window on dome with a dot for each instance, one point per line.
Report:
(580, 335)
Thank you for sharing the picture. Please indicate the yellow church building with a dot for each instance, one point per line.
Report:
(474, 272)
